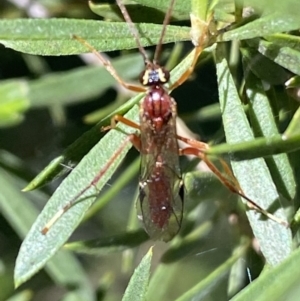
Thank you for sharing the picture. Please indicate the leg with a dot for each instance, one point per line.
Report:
(198, 149)
(229, 181)
(93, 183)
(136, 142)
(134, 139)
(201, 146)
(201, 37)
(120, 118)
(107, 64)
(189, 71)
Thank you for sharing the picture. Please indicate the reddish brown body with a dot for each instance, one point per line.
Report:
(161, 189)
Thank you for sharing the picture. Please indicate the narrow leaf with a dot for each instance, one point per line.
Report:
(253, 176)
(14, 101)
(260, 147)
(137, 287)
(37, 248)
(264, 124)
(207, 285)
(81, 84)
(109, 244)
(41, 37)
(143, 11)
(20, 213)
(281, 281)
(266, 25)
(286, 57)
(25, 295)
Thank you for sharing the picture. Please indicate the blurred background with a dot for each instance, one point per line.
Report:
(35, 131)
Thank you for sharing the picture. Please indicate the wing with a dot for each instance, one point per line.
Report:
(161, 188)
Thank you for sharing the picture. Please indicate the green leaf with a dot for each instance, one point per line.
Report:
(202, 9)
(285, 40)
(281, 281)
(266, 25)
(182, 246)
(181, 9)
(19, 211)
(286, 57)
(260, 147)
(143, 11)
(267, 7)
(294, 126)
(203, 186)
(14, 101)
(207, 285)
(264, 68)
(253, 176)
(207, 233)
(38, 248)
(124, 179)
(25, 295)
(264, 124)
(41, 37)
(137, 287)
(74, 153)
(104, 246)
(81, 84)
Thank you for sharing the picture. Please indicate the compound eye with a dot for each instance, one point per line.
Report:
(143, 78)
(165, 75)
(154, 76)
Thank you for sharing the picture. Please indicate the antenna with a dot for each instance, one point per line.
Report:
(137, 36)
(133, 31)
(165, 23)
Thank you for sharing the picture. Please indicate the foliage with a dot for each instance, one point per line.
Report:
(247, 76)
